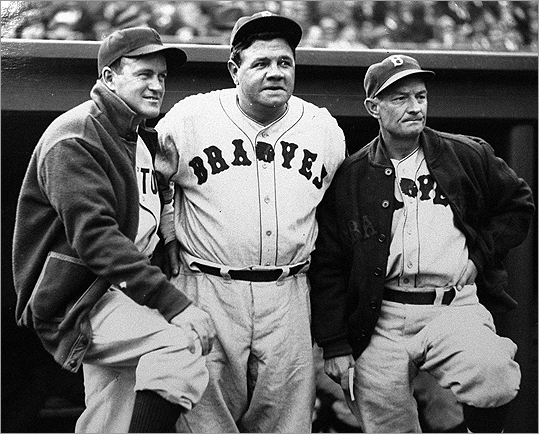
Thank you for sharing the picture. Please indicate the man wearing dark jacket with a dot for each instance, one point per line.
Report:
(86, 227)
(413, 232)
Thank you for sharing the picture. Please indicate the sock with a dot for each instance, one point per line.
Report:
(152, 413)
(485, 420)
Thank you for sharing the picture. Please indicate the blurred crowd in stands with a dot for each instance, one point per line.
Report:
(454, 25)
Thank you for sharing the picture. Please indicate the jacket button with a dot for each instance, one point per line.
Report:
(373, 304)
(378, 271)
(72, 363)
(363, 333)
(381, 238)
(84, 341)
(385, 204)
(388, 171)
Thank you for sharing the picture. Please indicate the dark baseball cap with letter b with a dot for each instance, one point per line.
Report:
(383, 74)
(135, 42)
(263, 22)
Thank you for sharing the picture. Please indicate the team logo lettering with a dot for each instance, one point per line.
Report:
(240, 156)
(396, 60)
(289, 149)
(264, 152)
(148, 178)
(425, 187)
(362, 229)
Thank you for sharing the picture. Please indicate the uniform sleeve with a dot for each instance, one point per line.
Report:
(167, 156)
(166, 226)
(73, 176)
(336, 141)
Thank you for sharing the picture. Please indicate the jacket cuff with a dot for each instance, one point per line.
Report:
(336, 349)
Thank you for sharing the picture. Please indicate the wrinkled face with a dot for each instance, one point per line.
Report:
(265, 78)
(140, 82)
(402, 108)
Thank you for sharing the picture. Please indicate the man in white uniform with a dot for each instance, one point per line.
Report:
(250, 165)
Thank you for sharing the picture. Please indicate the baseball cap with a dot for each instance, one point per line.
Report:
(383, 74)
(263, 22)
(135, 42)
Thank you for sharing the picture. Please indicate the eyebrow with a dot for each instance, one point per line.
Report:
(152, 70)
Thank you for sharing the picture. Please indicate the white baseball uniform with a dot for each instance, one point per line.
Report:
(246, 196)
(133, 346)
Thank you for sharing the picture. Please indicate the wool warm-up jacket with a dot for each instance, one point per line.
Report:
(77, 219)
(492, 207)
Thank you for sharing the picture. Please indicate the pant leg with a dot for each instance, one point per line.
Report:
(461, 349)
(282, 366)
(135, 348)
(226, 398)
(383, 376)
(438, 408)
(109, 399)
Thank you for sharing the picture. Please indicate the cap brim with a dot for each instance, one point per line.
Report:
(175, 57)
(289, 28)
(428, 75)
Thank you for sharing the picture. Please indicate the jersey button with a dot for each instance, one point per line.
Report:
(267, 199)
(385, 204)
(268, 233)
(264, 134)
(388, 172)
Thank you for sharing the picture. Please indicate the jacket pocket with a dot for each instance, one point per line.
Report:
(61, 282)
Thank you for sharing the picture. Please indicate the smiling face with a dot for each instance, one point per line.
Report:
(140, 83)
(264, 78)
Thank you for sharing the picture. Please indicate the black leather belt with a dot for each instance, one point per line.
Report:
(418, 297)
(251, 275)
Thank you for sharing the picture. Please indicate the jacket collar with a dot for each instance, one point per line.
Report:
(116, 110)
(427, 140)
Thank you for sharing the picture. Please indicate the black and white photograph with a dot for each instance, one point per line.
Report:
(269, 216)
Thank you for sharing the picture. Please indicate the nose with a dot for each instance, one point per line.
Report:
(414, 105)
(275, 71)
(156, 83)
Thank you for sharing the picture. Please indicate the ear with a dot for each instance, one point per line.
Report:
(233, 70)
(107, 76)
(372, 107)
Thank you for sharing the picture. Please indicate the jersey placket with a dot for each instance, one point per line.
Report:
(406, 169)
(267, 204)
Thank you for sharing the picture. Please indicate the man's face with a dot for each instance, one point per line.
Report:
(403, 108)
(266, 74)
(141, 84)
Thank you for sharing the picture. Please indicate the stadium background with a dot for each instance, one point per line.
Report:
(481, 51)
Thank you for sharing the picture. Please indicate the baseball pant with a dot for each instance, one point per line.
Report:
(457, 344)
(135, 348)
(261, 364)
